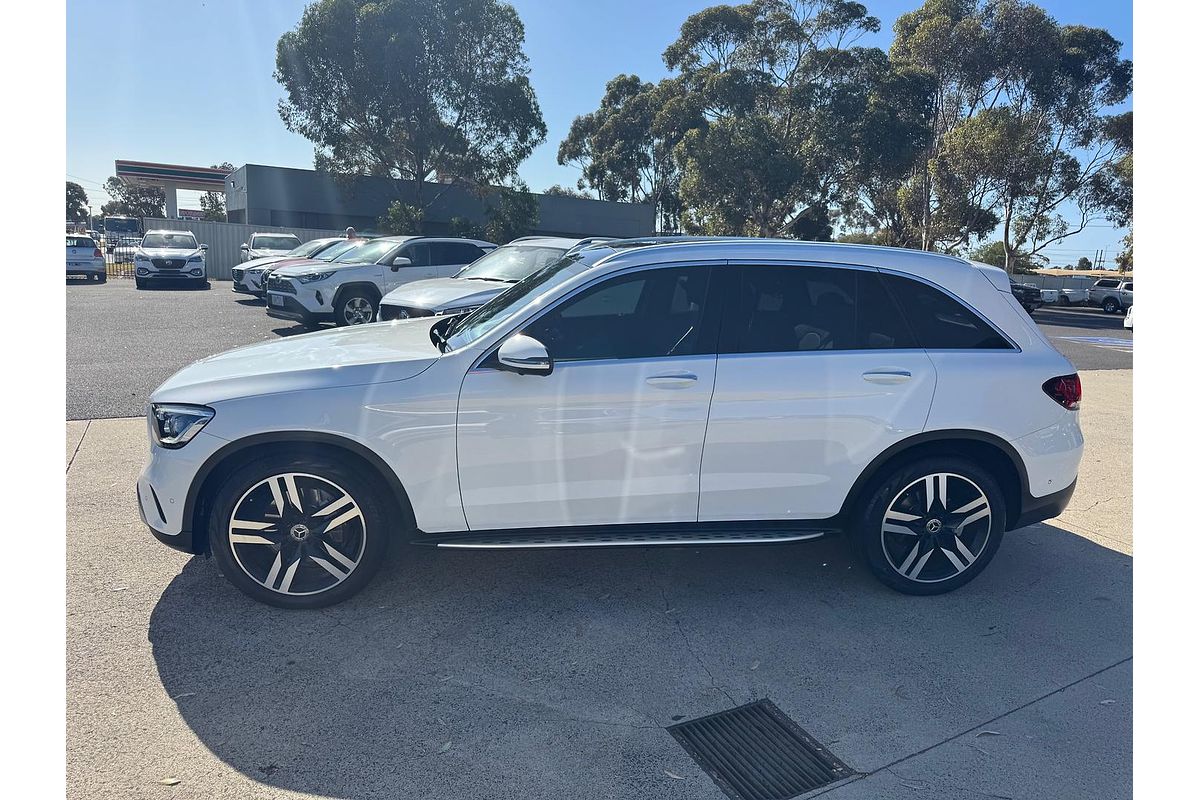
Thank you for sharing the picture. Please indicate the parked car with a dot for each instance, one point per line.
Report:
(1128, 323)
(85, 259)
(248, 276)
(124, 249)
(347, 290)
(168, 256)
(1028, 295)
(1064, 296)
(488, 276)
(897, 396)
(268, 244)
(1111, 294)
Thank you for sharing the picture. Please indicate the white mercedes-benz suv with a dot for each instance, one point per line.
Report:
(696, 393)
(347, 290)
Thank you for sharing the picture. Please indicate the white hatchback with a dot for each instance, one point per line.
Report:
(708, 392)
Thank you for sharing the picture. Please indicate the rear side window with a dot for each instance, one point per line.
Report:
(788, 309)
(1106, 283)
(940, 322)
(453, 253)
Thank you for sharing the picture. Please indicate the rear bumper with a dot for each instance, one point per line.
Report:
(1037, 509)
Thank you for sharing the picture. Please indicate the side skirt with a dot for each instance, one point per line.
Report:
(645, 535)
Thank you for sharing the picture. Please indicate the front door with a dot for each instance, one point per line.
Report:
(818, 373)
(615, 433)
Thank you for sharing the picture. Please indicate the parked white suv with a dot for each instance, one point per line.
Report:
(261, 245)
(347, 290)
(479, 281)
(171, 257)
(900, 397)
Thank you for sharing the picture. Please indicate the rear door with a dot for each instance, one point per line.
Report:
(817, 373)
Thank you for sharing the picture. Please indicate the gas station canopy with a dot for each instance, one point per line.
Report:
(172, 177)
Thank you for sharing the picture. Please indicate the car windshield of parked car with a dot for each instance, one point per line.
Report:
(168, 241)
(338, 249)
(274, 242)
(307, 249)
(512, 263)
(370, 253)
(504, 305)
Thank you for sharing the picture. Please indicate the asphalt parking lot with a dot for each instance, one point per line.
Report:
(122, 343)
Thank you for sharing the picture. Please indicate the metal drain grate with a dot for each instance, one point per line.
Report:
(755, 752)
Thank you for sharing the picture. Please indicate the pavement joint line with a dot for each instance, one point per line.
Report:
(78, 445)
(960, 734)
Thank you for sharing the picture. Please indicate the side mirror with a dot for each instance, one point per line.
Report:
(524, 355)
(245, 247)
(203, 247)
(400, 261)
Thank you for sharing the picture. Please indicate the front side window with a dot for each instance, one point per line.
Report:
(939, 321)
(792, 308)
(648, 314)
(170, 241)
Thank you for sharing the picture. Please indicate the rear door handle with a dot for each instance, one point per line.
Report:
(887, 376)
(675, 380)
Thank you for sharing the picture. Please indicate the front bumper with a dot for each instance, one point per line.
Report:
(170, 276)
(165, 484)
(283, 306)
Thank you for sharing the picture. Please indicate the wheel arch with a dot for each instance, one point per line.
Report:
(197, 506)
(993, 453)
(366, 286)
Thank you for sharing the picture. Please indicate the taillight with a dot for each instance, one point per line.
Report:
(1066, 390)
(96, 253)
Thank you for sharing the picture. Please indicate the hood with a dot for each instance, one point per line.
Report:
(378, 353)
(275, 263)
(437, 294)
(307, 265)
(169, 252)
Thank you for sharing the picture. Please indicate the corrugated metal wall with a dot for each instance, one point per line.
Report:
(225, 239)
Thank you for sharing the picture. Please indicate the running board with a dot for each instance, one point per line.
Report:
(528, 540)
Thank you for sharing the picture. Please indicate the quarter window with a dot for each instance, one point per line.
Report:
(939, 321)
(648, 314)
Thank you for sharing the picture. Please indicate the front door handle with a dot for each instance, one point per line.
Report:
(674, 380)
(887, 376)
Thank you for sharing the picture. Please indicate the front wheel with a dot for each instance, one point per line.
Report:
(299, 532)
(932, 526)
(1111, 306)
(354, 308)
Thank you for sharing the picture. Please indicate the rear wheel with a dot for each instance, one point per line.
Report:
(299, 532)
(932, 525)
(354, 307)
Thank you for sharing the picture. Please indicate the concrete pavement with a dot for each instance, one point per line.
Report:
(553, 674)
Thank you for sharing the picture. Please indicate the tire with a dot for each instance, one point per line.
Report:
(1063, 301)
(102, 278)
(922, 553)
(353, 305)
(1111, 305)
(138, 283)
(283, 557)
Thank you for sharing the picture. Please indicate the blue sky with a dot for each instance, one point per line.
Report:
(190, 82)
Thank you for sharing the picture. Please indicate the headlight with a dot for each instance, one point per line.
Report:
(140, 257)
(313, 277)
(174, 425)
(196, 260)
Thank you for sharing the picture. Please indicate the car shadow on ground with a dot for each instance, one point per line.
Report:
(249, 301)
(295, 330)
(539, 673)
(1051, 315)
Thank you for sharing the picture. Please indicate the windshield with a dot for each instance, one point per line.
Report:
(512, 263)
(339, 248)
(184, 240)
(504, 305)
(308, 248)
(370, 253)
(261, 242)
